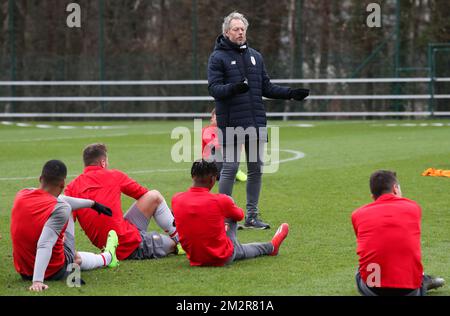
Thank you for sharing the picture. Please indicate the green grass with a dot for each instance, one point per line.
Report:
(315, 195)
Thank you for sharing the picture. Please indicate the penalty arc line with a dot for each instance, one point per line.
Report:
(297, 155)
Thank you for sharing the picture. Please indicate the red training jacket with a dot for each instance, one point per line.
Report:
(388, 234)
(200, 219)
(30, 212)
(106, 186)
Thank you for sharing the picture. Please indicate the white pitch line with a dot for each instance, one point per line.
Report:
(105, 127)
(66, 127)
(18, 178)
(304, 125)
(44, 126)
(412, 124)
(292, 125)
(60, 138)
(156, 171)
(80, 137)
(297, 155)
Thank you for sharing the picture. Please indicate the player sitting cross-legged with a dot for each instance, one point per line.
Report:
(42, 231)
(105, 185)
(206, 223)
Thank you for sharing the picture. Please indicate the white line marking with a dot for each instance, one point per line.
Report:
(66, 127)
(304, 125)
(412, 124)
(18, 178)
(155, 171)
(292, 125)
(297, 155)
(60, 138)
(44, 126)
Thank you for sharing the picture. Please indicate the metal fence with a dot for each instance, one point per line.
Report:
(118, 106)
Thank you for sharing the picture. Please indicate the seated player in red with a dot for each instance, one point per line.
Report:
(99, 183)
(42, 231)
(211, 148)
(388, 242)
(206, 223)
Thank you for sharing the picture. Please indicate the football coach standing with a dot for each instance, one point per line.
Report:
(237, 79)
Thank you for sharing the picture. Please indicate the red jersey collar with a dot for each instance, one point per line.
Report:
(198, 189)
(386, 197)
(91, 168)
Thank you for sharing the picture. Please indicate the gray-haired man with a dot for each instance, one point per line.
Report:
(237, 79)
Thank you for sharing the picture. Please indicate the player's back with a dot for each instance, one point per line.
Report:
(388, 234)
(30, 212)
(200, 220)
(106, 187)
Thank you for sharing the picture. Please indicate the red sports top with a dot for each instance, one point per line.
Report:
(105, 186)
(30, 212)
(209, 140)
(388, 234)
(200, 219)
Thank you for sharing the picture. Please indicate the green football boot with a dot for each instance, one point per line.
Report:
(111, 245)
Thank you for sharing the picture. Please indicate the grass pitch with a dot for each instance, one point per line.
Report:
(315, 195)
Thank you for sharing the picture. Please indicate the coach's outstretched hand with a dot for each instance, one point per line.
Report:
(240, 87)
(299, 94)
(101, 209)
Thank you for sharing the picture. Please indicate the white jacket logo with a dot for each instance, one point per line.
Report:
(253, 60)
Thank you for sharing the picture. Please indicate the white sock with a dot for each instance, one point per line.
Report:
(164, 218)
(90, 261)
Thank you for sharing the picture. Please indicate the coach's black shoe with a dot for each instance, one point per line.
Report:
(432, 283)
(252, 221)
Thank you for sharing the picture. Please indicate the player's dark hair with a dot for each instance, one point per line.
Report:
(93, 152)
(382, 181)
(53, 172)
(202, 168)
